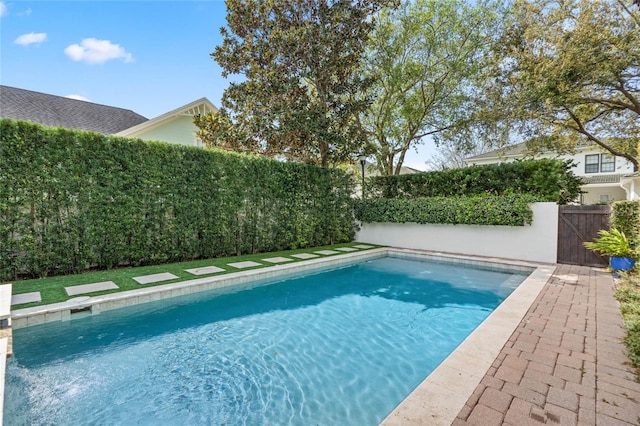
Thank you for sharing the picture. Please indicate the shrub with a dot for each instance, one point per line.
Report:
(625, 217)
(546, 179)
(628, 294)
(479, 210)
(71, 200)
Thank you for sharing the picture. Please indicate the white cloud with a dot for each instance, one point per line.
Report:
(95, 51)
(78, 98)
(3, 8)
(31, 38)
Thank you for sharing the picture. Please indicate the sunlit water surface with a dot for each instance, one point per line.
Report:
(343, 347)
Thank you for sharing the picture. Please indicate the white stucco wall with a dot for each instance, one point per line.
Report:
(537, 242)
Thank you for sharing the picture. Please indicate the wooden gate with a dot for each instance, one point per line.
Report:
(576, 225)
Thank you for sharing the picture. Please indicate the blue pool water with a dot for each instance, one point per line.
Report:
(342, 347)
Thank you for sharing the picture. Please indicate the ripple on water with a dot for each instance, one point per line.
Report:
(328, 356)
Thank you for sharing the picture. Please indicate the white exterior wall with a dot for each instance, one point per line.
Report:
(537, 242)
(622, 166)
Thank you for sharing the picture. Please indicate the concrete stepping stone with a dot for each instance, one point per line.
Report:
(90, 288)
(363, 246)
(204, 270)
(19, 299)
(327, 252)
(347, 249)
(305, 255)
(154, 278)
(278, 260)
(246, 264)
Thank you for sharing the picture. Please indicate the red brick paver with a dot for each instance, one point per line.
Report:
(565, 364)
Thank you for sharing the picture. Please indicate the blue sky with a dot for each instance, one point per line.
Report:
(147, 56)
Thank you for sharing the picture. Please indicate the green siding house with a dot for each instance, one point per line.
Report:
(175, 126)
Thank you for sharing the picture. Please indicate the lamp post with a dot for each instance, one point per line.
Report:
(363, 161)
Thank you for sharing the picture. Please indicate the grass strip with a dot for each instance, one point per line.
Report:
(52, 288)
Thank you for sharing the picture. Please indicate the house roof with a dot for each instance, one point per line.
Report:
(58, 111)
(588, 180)
(200, 106)
(516, 150)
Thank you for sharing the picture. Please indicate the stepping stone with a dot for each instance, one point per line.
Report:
(277, 259)
(19, 299)
(154, 278)
(326, 252)
(347, 249)
(246, 264)
(363, 246)
(304, 255)
(90, 288)
(205, 270)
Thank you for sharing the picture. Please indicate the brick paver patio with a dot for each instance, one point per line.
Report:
(565, 364)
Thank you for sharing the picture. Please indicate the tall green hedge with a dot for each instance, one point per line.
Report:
(73, 200)
(625, 217)
(546, 179)
(511, 210)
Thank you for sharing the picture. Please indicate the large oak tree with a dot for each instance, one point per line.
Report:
(426, 59)
(568, 72)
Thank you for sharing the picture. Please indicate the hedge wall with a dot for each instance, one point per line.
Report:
(73, 200)
(478, 210)
(546, 179)
(625, 217)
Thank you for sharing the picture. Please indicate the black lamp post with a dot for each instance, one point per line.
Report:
(363, 161)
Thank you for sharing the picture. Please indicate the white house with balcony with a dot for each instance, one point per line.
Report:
(606, 178)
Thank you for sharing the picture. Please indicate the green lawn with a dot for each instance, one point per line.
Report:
(52, 289)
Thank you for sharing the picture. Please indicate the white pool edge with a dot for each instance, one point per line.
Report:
(438, 399)
(443, 394)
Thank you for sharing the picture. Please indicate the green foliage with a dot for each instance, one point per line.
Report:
(566, 72)
(301, 91)
(424, 59)
(72, 200)
(478, 210)
(625, 216)
(547, 180)
(612, 243)
(628, 294)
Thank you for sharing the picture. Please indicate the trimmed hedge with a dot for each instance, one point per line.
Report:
(546, 179)
(73, 200)
(478, 210)
(625, 217)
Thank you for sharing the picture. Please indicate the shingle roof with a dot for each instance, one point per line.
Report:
(601, 179)
(519, 149)
(58, 111)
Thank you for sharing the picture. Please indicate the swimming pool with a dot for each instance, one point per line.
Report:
(342, 347)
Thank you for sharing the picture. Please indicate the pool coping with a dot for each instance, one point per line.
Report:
(444, 392)
(439, 398)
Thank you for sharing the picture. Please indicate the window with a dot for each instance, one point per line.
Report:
(591, 163)
(607, 163)
(599, 163)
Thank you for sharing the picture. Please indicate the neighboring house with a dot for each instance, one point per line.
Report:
(606, 178)
(371, 170)
(174, 126)
(56, 111)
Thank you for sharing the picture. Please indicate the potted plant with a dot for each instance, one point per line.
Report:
(614, 244)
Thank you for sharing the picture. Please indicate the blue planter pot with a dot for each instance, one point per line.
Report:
(621, 263)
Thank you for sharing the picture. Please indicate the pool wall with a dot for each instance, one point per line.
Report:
(438, 399)
(536, 242)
